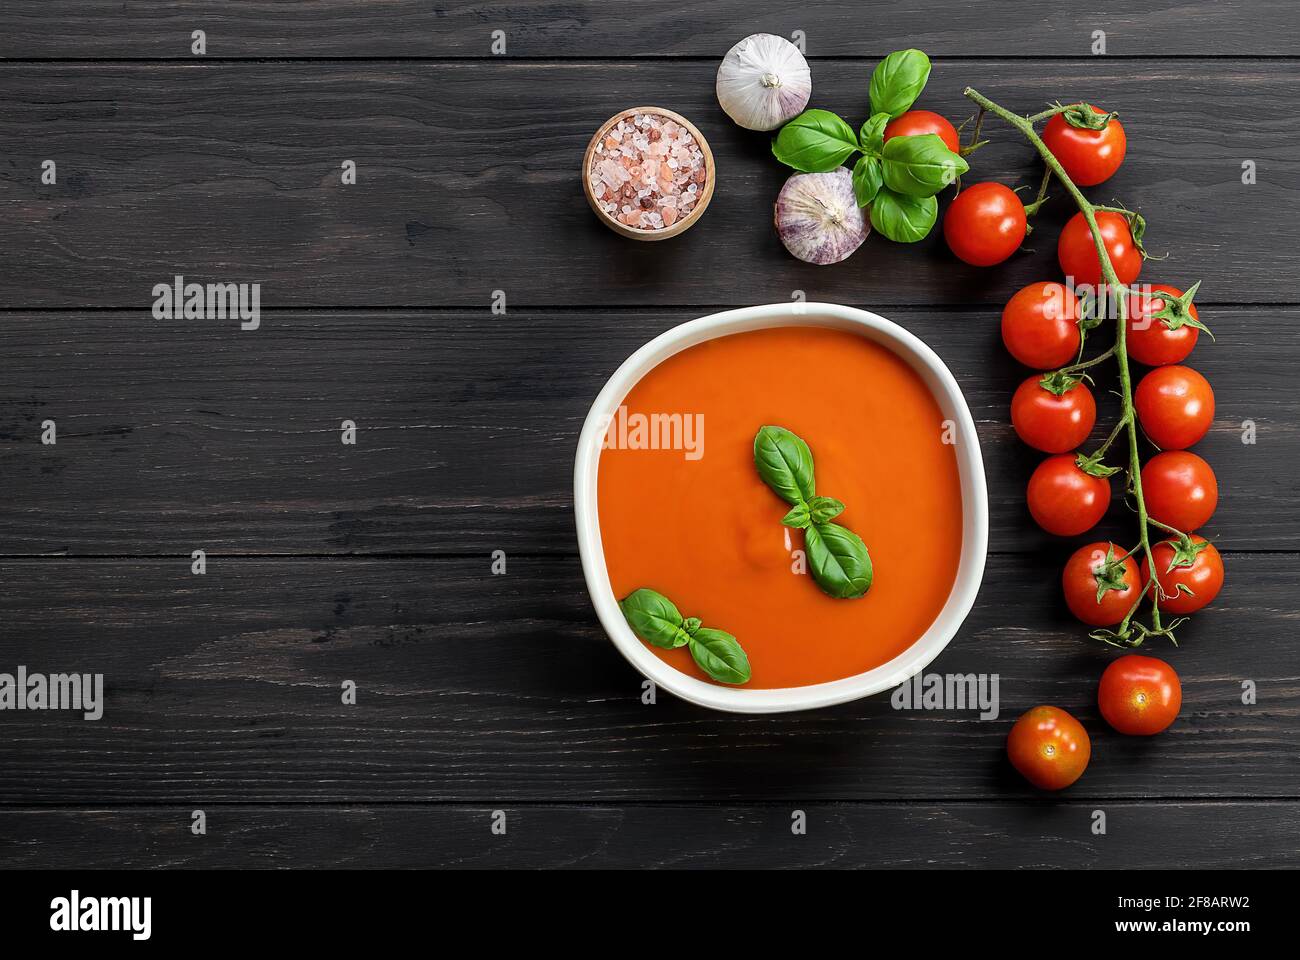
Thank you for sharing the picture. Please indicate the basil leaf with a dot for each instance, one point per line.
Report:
(816, 141)
(838, 560)
(785, 463)
(798, 517)
(872, 135)
(921, 165)
(653, 618)
(901, 218)
(823, 509)
(898, 80)
(717, 653)
(866, 180)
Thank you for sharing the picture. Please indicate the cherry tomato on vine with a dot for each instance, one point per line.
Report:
(1088, 156)
(1052, 422)
(1204, 577)
(1077, 252)
(1175, 406)
(985, 224)
(1040, 325)
(916, 122)
(1152, 341)
(1099, 586)
(1140, 696)
(1049, 748)
(1180, 489)
(1064, 499)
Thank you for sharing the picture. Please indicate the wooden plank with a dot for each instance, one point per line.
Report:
(561, 28)
(1150, 835)
(177, 435)
(498, 689)
(467, 183)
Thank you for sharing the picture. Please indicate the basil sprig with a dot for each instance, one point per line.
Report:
(898, 179)
(656, 620)
(837, 556)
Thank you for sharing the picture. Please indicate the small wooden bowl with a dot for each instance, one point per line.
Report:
(686, 222)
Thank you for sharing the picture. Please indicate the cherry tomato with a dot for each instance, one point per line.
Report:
(1175, 406)
(916, 122)
(1051, 423)
(1204, 578)
(1049, 747)
(1151, 341)
(985, 224)
(1180, 489)
(1139, 695)
(1089, 569)
(1088, 156)
(1065, 500)
(1078, 254)
(1040, 325)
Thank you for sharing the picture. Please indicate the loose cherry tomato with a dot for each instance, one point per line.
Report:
(1078, 254)
(916, 122)
(1050, 422)
(1153, 341)
(1204, 577)
(1088, 156)
(1175, 406)
(985, 224)
(1049, 747)
(1099, 586)
(1040, 325)
(1064, 499)
(1180, 489)
(1139, 695)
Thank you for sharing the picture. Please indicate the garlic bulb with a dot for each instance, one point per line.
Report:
(818, 217)
(763, 81)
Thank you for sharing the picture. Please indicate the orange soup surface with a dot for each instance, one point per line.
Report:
(698, 525)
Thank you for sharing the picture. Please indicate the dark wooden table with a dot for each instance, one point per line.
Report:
(371, 563)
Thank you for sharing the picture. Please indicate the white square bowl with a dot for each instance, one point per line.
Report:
(975, 520)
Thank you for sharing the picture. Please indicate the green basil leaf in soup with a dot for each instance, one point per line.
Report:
(824, 509)
(654, 618)
(871, 138)
(816, 141)
(867, 178)
(921, 166)
(718, 654)
(785, 463)
(838, 560)
(901, 218)
(898, 80)
(798, 517)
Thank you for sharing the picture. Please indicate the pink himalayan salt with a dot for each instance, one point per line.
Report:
(647, 172)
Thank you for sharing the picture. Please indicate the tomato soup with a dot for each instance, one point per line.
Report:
(683, 510)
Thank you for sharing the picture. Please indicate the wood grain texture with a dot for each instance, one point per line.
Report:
(491, 689)
(586, 28)
(177, 435)
(1139, 834)
(468, 183)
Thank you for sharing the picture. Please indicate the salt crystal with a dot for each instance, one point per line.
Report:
(652, 161)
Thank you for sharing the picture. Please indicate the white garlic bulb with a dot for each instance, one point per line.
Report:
(818, 217)
(763, 81)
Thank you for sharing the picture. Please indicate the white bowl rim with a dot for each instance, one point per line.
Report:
(970, 570)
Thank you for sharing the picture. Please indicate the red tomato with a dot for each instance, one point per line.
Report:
(1175, 406)
(1152, 341)
(1049, 747)
(1139, 695)
(1065, 500)
(916, 122)
(1088, 156)
(1078, 254)
(985, 224)
(1040, 325)
(1180, 489)
(1051, 423)
(1204, 578)
(1094, 567)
